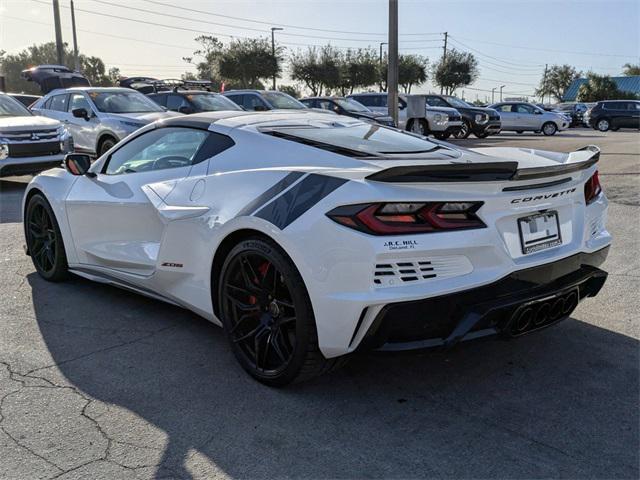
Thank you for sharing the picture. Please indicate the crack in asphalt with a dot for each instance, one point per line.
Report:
(106, 349)
(23, 379)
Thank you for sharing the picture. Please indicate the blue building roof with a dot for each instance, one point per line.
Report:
(626, 84)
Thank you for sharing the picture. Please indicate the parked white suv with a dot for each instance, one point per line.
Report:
(98, 118)
(520, 117)
(440, 121)
(29, 144)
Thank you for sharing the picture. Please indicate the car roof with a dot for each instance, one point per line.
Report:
(243, 118)
(185, 92)
(322, 98)
(58, 91)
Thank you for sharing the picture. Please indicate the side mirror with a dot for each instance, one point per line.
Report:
(80, 113)
(77, 163)
(260, 108)
(539, 112)
(186, 110)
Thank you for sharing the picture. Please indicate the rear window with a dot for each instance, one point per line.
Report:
(358, 139)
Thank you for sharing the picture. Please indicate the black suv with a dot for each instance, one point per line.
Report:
(614, 114)
(193, 101)
(348, 107)
(482, 122)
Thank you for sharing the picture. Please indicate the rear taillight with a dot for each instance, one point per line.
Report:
(592, 188)
(404, 218)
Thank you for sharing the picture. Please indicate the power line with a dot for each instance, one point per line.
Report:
(270, 24)
(189, 19)
(523, 65)
(550, 50)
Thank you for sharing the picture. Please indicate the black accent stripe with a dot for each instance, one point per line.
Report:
(298, 199)
(267, 196)
(537, 185)
(457, 172)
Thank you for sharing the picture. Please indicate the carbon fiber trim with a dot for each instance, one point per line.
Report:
(298, 199)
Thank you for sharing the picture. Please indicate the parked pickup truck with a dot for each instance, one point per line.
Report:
(29, 143)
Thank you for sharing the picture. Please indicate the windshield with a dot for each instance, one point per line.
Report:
(123, 102)
(457, 103)
(363, 138)
(10, 107)
(209, 102)
(282, 100)
(351, 105)
(565, 108)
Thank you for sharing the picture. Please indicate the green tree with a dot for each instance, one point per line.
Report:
(114, 75)
(557, 80)
(358, 69)
(93, 68)
(210, 52)
(319, 69)
(412, 70)
(244, 63)
(601, 87)
(631, 69)
(457, 69)
(292, 90)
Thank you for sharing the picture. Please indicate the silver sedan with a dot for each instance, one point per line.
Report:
(520, 117)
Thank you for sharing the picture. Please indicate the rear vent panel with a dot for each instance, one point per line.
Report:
(420, 270)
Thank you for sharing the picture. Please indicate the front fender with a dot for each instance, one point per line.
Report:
(55, 185)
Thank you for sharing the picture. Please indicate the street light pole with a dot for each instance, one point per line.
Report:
(501, 87)
(392, 73)
(381, 44)
(493, 93)
(273, 53)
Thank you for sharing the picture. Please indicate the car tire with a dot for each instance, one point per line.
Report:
(603, 125)
(105, 144)
(549, 129)
(267, 315)
(481, 135)
(44, 240)
(464, 131)
(419, 126)
(519, 132)
(442, 136)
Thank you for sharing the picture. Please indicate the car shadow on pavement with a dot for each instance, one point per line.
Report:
(558, 403)
(10, 201)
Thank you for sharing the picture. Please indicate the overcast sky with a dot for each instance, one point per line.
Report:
(512, 39)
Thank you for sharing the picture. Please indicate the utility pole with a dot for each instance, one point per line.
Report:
(273, 52)
(76, 60)
(381, 44)
(56, 21)
(493, 94)
(444, 53)
(544, 82)
(392, 71)
(501, 87)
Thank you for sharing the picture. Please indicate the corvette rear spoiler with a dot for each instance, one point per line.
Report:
(481, 172)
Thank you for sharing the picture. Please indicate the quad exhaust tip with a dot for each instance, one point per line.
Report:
(542, 313)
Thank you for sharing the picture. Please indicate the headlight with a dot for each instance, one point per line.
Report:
(66, 142)
(441, 118)
(132, 125)
(482, 118)
(4, 150)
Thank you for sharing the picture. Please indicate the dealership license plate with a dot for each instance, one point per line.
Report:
(539, 232)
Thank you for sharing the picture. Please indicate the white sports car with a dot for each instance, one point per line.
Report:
(308, 237)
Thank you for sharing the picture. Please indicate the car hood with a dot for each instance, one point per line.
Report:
(488, 111)
(144, 117)
(448, 110)
(27, 123)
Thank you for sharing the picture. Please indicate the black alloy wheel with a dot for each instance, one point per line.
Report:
(267, 315)
(44, 240)
(464, 132)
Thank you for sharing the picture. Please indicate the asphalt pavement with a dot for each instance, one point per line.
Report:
(99, 383)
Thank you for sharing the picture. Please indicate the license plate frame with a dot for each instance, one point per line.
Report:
(531, 241)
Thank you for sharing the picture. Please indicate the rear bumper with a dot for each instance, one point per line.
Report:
(26, 165)
(519, 303)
